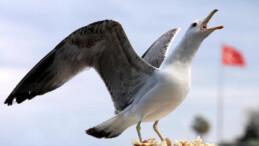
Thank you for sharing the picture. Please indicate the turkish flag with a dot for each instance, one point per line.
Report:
(232, 57)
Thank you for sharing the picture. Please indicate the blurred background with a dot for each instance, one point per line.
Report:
(30, 29)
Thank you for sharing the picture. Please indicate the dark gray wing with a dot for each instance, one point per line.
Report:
(157, 52)
(102, 45)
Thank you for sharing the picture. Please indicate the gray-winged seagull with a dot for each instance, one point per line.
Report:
(140, 88)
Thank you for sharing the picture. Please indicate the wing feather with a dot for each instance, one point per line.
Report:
(102, 45)
(157, 52)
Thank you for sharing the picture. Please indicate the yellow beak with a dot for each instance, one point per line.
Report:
(207, 19)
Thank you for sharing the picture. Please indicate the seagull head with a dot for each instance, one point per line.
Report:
(199, 30)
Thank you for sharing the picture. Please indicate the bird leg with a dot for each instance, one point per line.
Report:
(156, 130)
(138, 130)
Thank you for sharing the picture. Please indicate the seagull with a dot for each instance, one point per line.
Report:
(143, 89)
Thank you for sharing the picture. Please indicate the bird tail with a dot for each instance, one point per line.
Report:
(110, 128)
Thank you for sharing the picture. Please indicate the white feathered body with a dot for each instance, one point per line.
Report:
(170, 87)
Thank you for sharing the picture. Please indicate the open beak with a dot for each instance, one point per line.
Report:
(207, 19)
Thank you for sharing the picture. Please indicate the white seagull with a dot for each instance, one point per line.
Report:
(141, 89)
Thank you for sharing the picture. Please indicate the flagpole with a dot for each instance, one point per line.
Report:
(230, 57)
(220, 102)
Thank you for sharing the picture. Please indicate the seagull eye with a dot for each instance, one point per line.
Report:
(194, 24)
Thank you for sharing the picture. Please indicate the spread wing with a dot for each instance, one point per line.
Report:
(102, 45)
(157, 52)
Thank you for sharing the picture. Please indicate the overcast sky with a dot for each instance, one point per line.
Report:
(29, 30)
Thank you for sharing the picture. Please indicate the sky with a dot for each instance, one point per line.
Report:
(30, 29)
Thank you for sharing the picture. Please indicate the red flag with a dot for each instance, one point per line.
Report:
(232, 57)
